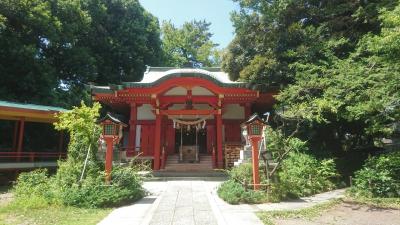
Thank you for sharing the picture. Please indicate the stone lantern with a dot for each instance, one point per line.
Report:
(255, 127)
(112, 130)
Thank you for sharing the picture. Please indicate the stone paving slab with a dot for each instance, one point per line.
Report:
(195, 202)
(136, 213)
(186, 203)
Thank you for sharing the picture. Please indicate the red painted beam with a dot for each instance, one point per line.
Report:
(21, 137)
(188, 112)
(132, 128)
(157, 142)
(109, 157)
(195, 99)
(220, 159)
(15, 136)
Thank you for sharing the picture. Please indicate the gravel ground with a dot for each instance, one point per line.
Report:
(349, 214)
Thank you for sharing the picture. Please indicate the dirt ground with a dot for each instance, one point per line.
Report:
(5, 198)
(349, 214)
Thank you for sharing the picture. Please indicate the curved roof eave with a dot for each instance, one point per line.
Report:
(179, 74)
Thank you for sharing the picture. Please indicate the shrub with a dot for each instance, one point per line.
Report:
(35, 184)
(379, 177)
(92, 192)
(68, 186)
(242, 173)
(234, 193)
(303, 175)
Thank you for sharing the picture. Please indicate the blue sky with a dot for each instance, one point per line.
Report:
(179, 11)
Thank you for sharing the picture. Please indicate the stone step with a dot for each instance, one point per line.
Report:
(161, 174)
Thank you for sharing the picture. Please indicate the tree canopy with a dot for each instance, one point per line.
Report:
(189, 45)
(49, 49)
(336, 62)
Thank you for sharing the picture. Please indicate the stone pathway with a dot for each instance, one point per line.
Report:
(195, 202)
(184, 202)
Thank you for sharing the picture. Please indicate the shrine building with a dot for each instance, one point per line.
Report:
(183, 118)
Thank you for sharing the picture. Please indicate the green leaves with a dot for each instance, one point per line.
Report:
(189, 44)
(81, 124)
(303, 175)
(49, 49)
(380, 176)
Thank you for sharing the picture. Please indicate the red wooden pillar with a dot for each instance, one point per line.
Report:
(20, 138)
(109, 157)
(247, 110)
(15, 136)
(256, 177)
(220, 160)
(157, 142)
(132, 129)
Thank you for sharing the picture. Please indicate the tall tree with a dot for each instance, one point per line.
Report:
(123, 38)
(271, 35)
(341, 90)
(50, 48)
(189, 45)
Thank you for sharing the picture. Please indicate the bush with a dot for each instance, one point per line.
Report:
(68, 186)
(34, 185)
(234, 193)
(303, 175)
(92, 192)
(242, 173)
(379, 177)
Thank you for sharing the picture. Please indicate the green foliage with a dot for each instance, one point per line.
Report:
(242, 173)
(357, 96)
(81, 124)
(92, 192)
(281, 145)
(379, 177)
(35, 184)
(68, 186)
(189, 44)
(303, 175)
(49, 49)
(234, 193)
(336, 64)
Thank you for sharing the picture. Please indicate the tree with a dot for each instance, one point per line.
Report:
(337, 78)
(360, 92)
(31, 32)
(190, 44)
(50, 49)
(272, 35)
(123, 39)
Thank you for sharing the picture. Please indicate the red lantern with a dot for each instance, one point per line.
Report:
(254, 127)
(111, 134)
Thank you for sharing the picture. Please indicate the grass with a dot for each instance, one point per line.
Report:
(41, 213)
(267, 217)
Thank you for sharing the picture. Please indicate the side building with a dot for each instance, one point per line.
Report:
(28, 139)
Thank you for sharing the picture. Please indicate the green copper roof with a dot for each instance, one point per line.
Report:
(30, 106)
